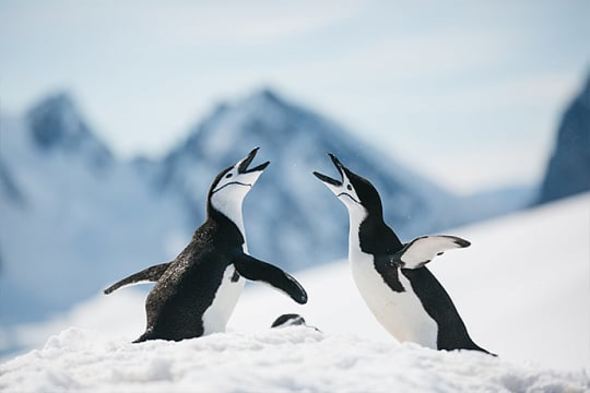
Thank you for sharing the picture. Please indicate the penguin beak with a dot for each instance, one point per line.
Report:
(327, 179)
(245, 162)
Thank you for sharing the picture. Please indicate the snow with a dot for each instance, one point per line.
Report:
(523, 289)
(292, 359)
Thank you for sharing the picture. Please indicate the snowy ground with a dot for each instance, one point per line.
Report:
(295, 359)
(523, 289)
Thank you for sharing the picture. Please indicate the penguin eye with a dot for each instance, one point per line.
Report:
(228, 175)
(349, 187)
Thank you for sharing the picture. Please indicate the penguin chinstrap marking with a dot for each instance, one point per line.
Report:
(195, 294)
(403, 295)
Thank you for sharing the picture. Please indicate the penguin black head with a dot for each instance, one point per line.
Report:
(232, 184)
(288, 320)
(354, 191)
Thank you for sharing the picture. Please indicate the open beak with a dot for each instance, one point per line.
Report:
(327, 179)
(243, 165)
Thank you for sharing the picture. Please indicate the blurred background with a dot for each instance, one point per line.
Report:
(115, 117)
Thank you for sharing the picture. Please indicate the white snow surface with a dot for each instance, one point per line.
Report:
(292, 359)
(522, 288)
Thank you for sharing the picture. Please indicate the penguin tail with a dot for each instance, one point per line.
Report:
(144, 337)
(478, 348)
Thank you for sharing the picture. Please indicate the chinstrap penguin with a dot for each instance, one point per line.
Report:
(195, 294)
(403, 295)
(287, 320)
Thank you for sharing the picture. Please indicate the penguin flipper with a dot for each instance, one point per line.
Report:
(151, 274)
(256, 270)
(422, 250)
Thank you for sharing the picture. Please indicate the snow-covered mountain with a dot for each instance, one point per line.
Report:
(568, 171)
(290, 217)
(74, 217)
(56, 126)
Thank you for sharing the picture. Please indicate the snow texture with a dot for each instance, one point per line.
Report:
(291, 359)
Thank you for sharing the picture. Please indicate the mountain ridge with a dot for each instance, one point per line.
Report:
(296, 141)
(56, 124)
(91, 217)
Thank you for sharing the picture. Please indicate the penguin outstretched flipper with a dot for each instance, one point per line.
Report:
(256, 270)
(151, 274)
(422, 250)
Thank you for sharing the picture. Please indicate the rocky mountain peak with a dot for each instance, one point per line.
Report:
(568, 171)
(56, 124)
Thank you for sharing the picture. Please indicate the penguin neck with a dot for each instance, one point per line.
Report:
(230, 215)
(365, 229)
(355, 218)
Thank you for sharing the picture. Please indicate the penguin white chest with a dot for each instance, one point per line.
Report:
(400, 313)
(215, 318)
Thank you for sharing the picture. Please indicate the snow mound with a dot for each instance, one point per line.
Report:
(294, 359)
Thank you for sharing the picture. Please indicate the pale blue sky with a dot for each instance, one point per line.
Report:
(451, 87)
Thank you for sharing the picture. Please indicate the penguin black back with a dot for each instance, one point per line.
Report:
(175, 306)
(452, 332)
(196, 293)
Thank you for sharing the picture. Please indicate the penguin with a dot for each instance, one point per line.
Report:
(195, 293)
(392, 277)
(287, 320)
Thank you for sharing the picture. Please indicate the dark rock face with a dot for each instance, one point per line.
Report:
(568, 172)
